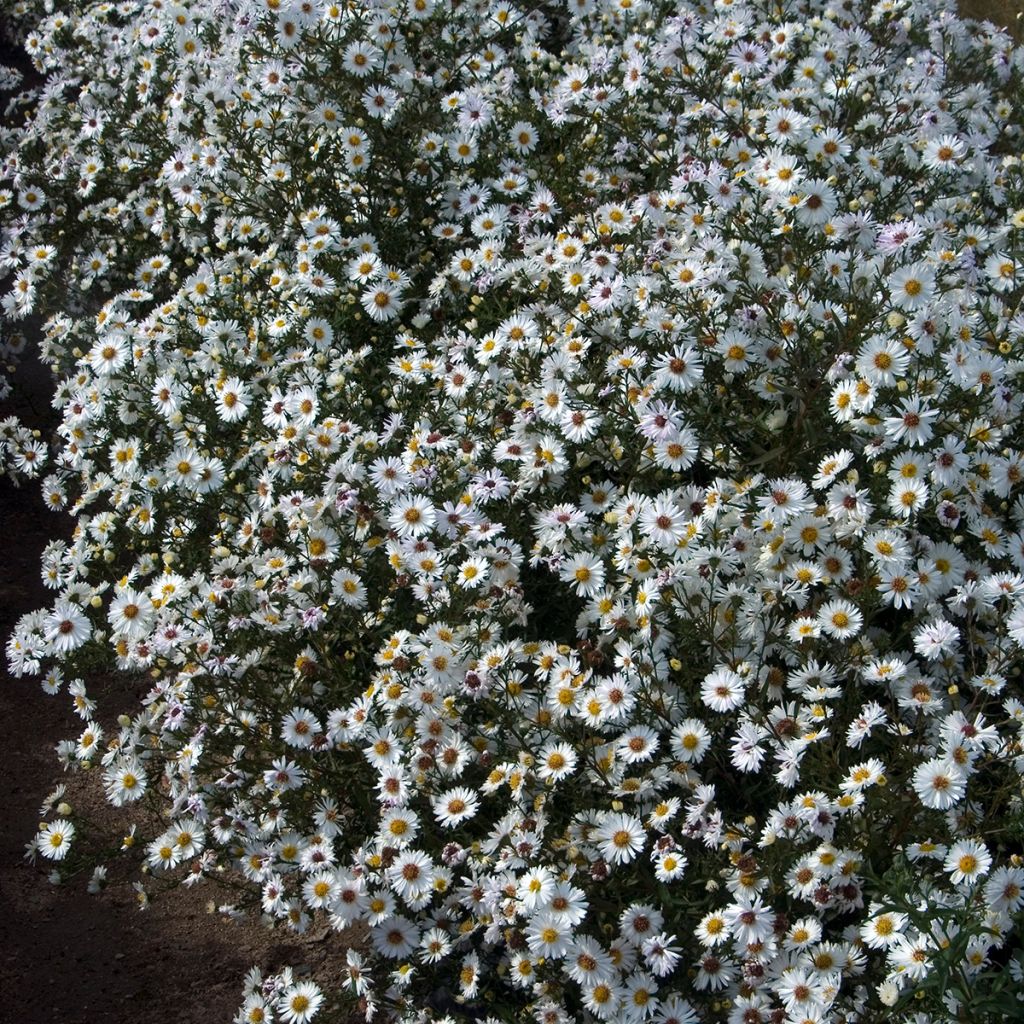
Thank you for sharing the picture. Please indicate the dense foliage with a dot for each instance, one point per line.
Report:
(559, 467)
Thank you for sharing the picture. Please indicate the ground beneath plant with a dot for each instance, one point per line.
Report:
(66, 955)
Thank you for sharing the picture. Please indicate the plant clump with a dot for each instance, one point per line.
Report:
(558, 467)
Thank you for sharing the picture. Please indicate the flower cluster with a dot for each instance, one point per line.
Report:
(22, 452)
(559, 468)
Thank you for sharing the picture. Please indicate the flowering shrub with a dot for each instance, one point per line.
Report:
(559, 468)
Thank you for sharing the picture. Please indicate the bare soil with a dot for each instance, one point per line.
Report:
(1007, 13)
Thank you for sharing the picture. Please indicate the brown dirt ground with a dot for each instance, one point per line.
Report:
(1008, 13)
(66, 955)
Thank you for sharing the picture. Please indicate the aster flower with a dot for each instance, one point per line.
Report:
(67, 628)
(690, 739)
(722, 690)
(912, 287)
(455, 806)
(943, 153)
(300, 1002)
(912, 956)
(913, 422)
(1004, 889)
(933, 640)
(585, 573)
(549, 936)
(883, 930)
(233, 400)
(54, 839)
(556, 761)
(620, 837)
(840, 619)
(412, 516)
(939, 784)
(131, 614)
(967, 861)
(382, 302)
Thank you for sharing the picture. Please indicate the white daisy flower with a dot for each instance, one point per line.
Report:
(66, 628)
(939, 784)
(912, 287)
(299, 1003)
(413, 516)
(619, 837)
(967, 861)
(382, 302)
(840, 619)
(53, 840)
(723, 690)
(455, 806)
(125, 781)
(556, 761)
(585, 573)
(883, 930)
